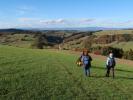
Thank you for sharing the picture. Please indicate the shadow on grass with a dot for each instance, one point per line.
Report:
(123, 77)
(116, 77)
(104, 68)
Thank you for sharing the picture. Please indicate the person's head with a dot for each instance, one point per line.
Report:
(111, 55)
(85, 52)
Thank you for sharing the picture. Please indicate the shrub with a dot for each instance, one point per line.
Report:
(128, 55)
(106, 50)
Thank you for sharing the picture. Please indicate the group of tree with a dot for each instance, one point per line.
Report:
(40, 41)
(118, 52)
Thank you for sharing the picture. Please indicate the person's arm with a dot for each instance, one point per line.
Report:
(90, 58)
(107, 62)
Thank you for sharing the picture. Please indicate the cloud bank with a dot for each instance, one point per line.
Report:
(34, 22)
(27, 22)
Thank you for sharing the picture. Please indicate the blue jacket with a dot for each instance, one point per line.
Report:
(86, 60)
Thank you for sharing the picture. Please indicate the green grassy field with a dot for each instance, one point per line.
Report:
(27, 74)
(18, 40)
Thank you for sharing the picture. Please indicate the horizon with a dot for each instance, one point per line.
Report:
(66, 14)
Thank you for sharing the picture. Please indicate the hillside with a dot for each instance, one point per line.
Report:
(113, 38)
(25, 38)
(49, 74)
(114, 32)
(68, 39)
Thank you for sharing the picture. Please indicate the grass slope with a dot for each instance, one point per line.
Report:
(18, 40)
(126, 46)
(27, 74)
(114, 32)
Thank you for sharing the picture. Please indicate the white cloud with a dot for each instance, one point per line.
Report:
(7, 25)
(109, 23)
(56, 22)
(50, 23)
(27, 19)
(87, 20)
(75, 22)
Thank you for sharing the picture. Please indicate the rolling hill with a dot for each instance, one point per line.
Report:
(68, 39)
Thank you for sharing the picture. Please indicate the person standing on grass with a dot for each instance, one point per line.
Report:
(110, 64)
(86, 62)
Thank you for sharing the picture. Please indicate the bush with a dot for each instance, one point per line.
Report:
(128, 55)
(106, 50)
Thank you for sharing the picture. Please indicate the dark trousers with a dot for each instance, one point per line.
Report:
(86, 70)
(108, 71)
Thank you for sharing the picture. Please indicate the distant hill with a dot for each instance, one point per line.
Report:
(16, 31)
(11, 30)
(69, 38)
(78, 28)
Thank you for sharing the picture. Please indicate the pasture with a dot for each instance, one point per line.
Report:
(30, 74)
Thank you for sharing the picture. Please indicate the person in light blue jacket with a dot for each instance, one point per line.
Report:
(86, 62)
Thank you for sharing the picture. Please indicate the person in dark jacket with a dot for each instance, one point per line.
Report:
(110, 64)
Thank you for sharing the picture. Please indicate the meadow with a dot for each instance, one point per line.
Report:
(114, 32)
(31, 74)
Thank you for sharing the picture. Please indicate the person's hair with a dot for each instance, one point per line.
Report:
(110, 51)
(86, 52)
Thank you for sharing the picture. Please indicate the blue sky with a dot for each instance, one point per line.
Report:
(65, 13)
